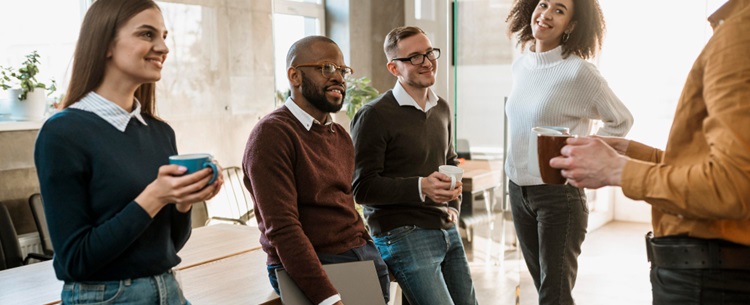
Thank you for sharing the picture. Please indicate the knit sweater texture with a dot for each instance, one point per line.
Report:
(301, 182)
(549, 90)
(89, 174)
(394, 146)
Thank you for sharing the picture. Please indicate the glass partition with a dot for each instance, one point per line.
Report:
(482, 57)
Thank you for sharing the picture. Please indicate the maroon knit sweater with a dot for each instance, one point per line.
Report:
(301, 182)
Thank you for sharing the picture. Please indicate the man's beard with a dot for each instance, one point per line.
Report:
(317, 96)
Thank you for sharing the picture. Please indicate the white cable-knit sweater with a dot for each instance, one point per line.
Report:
(551, 91)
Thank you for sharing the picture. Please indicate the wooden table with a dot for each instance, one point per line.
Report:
(240, 279)
(37, 283)
(482, 176)
(215, 242)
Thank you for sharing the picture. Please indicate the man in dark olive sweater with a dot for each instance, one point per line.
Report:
(400, 140)
(298, 168)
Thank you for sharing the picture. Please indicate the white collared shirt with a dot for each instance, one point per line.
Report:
(109, 111)
(404, 99)
(303, 117)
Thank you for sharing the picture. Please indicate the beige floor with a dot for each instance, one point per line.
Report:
(612, 268)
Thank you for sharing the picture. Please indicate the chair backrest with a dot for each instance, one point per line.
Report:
(11, 248)
(37, 209)
(233, 203)
(463, 149)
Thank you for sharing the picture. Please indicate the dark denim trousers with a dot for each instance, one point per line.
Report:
(551, 223)
(364, 253)
(429, 264)
(700, 286)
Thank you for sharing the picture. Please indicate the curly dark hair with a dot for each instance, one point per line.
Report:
(585, 40)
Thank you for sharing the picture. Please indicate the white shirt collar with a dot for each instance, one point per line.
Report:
(404, 99)
(109, 111)
(303, 117)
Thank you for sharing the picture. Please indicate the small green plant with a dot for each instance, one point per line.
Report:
(25, 77)
(358, 92)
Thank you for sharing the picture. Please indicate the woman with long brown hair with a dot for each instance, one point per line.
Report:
(118, 213)
(554, 85)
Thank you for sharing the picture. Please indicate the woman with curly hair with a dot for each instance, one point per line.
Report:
(554, 85)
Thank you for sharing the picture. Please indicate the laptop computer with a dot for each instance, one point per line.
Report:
(356, 282)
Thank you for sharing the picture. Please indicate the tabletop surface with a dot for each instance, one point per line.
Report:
(37, 283)
(480, 175)
(240, 279)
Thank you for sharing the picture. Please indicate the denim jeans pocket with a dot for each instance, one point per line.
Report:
(396, 234)
(577, 196)
(91, 292)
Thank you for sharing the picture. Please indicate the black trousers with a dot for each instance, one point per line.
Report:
(700, 286)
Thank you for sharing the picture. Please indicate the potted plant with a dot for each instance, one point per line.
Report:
(358, 92)
(26, 95)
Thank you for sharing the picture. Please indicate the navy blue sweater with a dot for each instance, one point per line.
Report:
(90, 174)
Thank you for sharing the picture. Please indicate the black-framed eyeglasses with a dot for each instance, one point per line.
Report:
(328, 68)
(418, 59)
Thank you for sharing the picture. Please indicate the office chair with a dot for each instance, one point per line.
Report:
(11, 249)
(233, 203)
(37, 210)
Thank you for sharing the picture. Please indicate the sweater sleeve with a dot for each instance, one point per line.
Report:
(369, 134)
(452, 159)
(181, 222)
(616, 118)
(82, 247)
(269, 166)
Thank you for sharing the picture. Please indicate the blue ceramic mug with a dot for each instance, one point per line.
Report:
(195, 162)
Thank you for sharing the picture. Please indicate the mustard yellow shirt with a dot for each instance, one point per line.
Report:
(700, 185)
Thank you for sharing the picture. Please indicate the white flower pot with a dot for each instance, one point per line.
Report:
(30, 109)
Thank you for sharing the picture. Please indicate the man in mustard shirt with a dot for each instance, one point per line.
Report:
(699, 187)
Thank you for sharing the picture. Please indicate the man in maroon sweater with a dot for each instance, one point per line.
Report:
(298, 168)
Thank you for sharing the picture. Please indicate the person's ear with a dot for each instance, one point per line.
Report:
(391, 65)
(109, 49)
(571, 27)
(294, 76)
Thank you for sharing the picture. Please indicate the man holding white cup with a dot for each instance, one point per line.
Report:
(400, 139)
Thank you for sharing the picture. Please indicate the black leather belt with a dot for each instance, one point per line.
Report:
(682, 252)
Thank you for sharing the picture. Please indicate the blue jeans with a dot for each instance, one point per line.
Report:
(551, 223)
(429, 264)
(364, 253)
(159, 289)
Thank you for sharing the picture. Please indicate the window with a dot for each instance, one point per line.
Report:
(53, 32)
(293, 20)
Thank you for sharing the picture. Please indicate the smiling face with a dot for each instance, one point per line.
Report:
(139, 49)
(416, 76)
(550, 20)
(326, 94)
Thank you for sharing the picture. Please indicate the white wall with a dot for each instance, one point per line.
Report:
(218, 80)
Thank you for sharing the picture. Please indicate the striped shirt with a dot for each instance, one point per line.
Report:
(109, 111)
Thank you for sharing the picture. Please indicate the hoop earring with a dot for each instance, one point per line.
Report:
(565, 37)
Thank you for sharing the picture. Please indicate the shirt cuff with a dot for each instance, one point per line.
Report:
(331, 300)
(419, 186)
